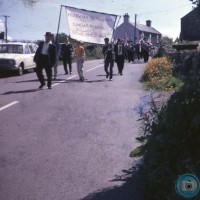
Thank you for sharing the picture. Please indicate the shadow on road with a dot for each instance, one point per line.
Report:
(85, 81)
(21, 91)
(25, 81)
(8, 74)
(72, 81)
(105, 75)
(93, 81)
(132, 188)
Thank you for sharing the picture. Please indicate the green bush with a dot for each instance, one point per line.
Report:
(94, 54)
(158, 75)
(172, 147)
(157, 69)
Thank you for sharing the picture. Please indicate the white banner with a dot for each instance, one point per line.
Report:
(89, 26)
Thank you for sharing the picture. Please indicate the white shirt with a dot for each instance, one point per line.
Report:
(45, 48)
(119, 49)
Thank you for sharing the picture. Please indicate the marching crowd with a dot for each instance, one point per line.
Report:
(47, 57)
(49, 50)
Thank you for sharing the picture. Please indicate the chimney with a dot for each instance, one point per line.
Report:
(148, 23)
(126, 18)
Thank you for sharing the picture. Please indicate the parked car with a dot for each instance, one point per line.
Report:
(17, 56)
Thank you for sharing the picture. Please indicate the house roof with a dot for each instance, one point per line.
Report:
(195, 10)
(145, 28)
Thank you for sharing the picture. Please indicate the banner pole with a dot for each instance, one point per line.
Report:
(59, 22)
(115, 26)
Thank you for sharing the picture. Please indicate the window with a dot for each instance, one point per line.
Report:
(27, 50)
(157, 39)
(149, 37)
(35, 46)
(11, 49)
(18, 49)
(31, 49)
(3, 49)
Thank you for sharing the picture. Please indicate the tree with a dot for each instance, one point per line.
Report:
(30, 3)
(166, 40)
(196, 2)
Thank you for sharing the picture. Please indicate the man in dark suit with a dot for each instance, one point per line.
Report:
(45, 58)
(66, 53)
(130, 51)
(109, 57)
(145, 49)
(120, 55)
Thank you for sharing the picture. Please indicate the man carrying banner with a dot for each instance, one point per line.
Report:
(66, 53)
(109, 58)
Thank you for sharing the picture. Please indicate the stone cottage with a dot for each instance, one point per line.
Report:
(128, 30)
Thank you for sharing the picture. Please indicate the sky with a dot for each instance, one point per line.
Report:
(30, 19)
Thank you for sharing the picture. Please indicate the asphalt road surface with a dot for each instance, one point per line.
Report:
(73, 141)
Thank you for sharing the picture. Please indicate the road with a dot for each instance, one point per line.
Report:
(73, 141)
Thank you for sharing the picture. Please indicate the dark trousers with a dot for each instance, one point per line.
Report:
(120, 63)
(69, 62)
(130, 55)
(107, 64)
(146, 56)
(43, 63)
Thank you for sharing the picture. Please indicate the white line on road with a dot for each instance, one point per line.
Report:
(9, 105)
(71, 77)
(55, 84)
(63, 81)
(94, 68)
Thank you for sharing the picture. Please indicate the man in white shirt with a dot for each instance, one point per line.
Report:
(45, 58)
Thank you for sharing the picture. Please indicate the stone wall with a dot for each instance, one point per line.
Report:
(185, 62)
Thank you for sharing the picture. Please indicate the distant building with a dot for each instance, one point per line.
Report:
(128, 30)
(190, 26)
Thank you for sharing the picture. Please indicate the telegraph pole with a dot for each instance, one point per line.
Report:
(135, 28)
(6, 26)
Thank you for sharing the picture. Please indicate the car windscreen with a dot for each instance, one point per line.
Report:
(10, 48)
